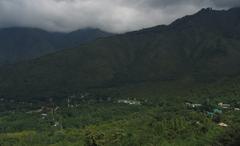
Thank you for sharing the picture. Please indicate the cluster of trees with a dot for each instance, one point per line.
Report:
(109, 124)
(166, 121)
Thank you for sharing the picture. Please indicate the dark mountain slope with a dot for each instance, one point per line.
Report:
(18, 44)
(201, 47)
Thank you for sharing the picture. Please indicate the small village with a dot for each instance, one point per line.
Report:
(214, 111)
(49, 110)
(57, 116)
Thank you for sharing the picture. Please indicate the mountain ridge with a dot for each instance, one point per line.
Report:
(189, 48)
(21, 43)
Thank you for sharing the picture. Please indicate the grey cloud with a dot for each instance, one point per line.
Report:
(210, 3)
(108, 15)
(166, 3)
(226, 3)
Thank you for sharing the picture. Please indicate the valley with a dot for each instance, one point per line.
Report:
(169, 85)
(102, 117)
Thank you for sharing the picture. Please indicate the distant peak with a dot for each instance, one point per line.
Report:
(237, 9)
(206, 10)
(210, 10)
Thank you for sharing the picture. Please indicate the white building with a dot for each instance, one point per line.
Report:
(56, 124)
(225, 106)
(237, 109)
(44, 115)
(193, 105)
(131, 102)
(222, 125)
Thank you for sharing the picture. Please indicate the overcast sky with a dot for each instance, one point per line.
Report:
(109, 15)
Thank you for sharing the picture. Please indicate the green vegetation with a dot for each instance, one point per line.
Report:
(97, 120)
(18, 44)
(205, 50)
(175, 85)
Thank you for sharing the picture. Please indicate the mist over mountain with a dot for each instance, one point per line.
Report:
(112, 16)
(203, 47)
(18, 44)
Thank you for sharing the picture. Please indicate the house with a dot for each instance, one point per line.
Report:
(56, 124)
(43, 114)
(196, 105)
(57, 108)
(188, 104)
(84, 95)
(131, 102)
(222, 125)
(217, 111)
(224, 106)
(210, 114)
(192, 105)
(237, 109)
(36, 111)
(198, 123)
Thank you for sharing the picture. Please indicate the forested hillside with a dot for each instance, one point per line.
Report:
(18, 44)
(170, 85)
(203, 47)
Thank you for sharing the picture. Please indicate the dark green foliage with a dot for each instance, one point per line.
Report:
(18, 44)
(197, 48)
(163, 67)
(163, 120)
(229, 138)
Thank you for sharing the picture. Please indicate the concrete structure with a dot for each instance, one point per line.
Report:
(237, 109)
(131, 102)
(222, 125)
(225, 106)
(193, 105)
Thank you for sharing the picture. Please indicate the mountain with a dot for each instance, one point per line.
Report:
(17, 44)
(203, 47)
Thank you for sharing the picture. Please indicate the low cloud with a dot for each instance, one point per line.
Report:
(109, 15)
